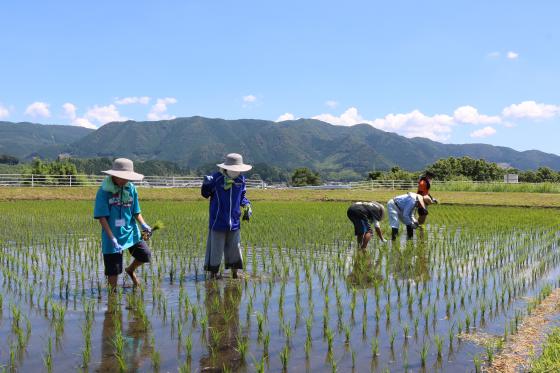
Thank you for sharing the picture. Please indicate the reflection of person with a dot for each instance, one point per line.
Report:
(226, 190)
(366, 269)
(222, 311)
(361, 214)
(118, 211)
(136, 346)
(402, 208)
(410, 263)
(108, 361)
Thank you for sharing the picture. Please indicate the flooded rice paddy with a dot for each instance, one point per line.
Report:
(308, 301)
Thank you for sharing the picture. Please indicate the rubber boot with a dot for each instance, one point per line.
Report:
(409, 232)
(394, 233)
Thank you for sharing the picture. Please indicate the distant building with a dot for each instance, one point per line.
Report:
(511, 178)
(63, 156)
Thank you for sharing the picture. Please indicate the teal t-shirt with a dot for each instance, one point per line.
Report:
(120, 215)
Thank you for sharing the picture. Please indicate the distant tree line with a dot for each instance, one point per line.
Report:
(468, 169)
(8, 159)
(446, 169)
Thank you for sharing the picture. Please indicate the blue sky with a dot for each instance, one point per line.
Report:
(452, 71)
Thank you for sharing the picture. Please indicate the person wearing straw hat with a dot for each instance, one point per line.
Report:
(402, 208)
(361, 214)
(118, 211)
(226, 189)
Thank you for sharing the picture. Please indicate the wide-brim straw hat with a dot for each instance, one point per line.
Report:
(234, 162)
(124, 169)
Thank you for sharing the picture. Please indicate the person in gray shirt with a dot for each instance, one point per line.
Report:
(361, 214)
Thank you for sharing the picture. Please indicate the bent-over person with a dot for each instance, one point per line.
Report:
(361, 214)
(401, 209)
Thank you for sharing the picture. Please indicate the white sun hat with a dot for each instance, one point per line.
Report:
(234, 162)
(124, 168)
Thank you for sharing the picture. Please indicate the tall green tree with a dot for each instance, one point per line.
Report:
(304, 176)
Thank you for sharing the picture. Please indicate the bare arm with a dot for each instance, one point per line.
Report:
(105, 225)
(140, 219)
(379, 233)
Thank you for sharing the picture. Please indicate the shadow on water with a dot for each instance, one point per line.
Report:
(136, 348)
(223, 333)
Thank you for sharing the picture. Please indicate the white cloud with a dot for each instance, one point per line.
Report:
(531, 110)
(483, 132)
(511, 55)
(417, 124)
(83, 122)
(38, 109)
(70, 112)
(413, 124)
(348, 118)
(4, 112)
(331, 103)
(249, 99)
(159, 110)
(470, 115)
(286, 116)
(143, 100)
(104, 114)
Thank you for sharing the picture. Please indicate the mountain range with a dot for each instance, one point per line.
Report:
(197, 141)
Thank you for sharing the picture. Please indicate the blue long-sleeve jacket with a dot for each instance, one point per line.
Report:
(406, 204)
(225, 205)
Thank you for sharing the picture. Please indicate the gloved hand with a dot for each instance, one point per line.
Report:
(146, 232)
(207, 179)
(384, 240)
(247, 212)
(116, 245)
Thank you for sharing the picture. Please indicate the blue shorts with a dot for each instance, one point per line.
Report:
(361, 226)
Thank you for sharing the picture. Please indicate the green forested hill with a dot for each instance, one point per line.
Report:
(197, 141)
(25, 139)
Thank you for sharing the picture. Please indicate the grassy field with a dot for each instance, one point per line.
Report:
(549, 361)
(519, 199)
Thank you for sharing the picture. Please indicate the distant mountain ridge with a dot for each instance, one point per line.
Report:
(196, 141)
(25, 139)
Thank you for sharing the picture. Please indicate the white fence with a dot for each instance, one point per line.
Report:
(95, 180)
(17, 180)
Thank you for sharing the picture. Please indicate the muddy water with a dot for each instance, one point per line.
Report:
(215, 345)
(402, 297)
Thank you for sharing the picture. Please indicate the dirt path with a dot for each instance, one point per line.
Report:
(520, 348)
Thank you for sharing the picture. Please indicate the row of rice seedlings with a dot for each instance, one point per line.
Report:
(464, 272)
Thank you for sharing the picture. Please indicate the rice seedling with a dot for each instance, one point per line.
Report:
(285, 357)
(424, 353)
(47, 357)
(374, 347)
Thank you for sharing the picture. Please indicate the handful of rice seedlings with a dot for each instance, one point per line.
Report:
(158, 225)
